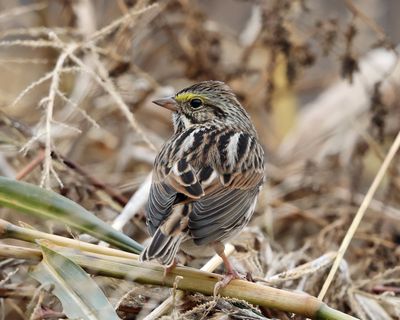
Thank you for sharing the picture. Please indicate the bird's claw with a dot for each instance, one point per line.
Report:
(227, 278)
(168, 269)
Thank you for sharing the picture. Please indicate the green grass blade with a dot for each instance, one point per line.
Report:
(47, 204)
(79, 294)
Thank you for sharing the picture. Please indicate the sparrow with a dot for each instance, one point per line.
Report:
(206, 177)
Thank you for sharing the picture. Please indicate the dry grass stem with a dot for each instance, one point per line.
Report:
(17, 11)
(25, 234)
(31, 166)
(210, 266)
(360, 214)
(128, 17)
(31, 44)
(108, 86)
(320, 82)
(50, 100)
(195, 280)
(302, 270)
(135, 203)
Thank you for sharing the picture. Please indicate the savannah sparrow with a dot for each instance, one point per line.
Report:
(207, 175)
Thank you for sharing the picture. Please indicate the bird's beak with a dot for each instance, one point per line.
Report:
(167, 103)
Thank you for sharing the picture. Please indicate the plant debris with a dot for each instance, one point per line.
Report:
(320, 81)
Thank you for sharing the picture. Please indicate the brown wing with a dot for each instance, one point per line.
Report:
(229, 205)
(175, 185)
(179, 184)
(221, 215)
(174, 178)
(223, 194)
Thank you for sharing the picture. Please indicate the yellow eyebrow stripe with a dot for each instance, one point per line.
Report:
(186, 96)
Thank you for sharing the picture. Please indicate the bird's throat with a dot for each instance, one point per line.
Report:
(187, 123)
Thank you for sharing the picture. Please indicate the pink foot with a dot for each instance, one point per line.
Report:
(231, 273)
(228, 277)
(168, 269)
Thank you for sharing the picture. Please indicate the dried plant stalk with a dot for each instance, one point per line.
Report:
(210, 266)
(360, 213)
(191, 279)
(9, 230)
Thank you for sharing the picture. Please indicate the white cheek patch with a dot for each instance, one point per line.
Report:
(231, 149)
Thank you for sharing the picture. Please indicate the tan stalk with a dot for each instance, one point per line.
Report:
(210, 266)
(50, 102)
(13, 13)
(20, 252)
(360, 214)
(9, 230)
(192, 280)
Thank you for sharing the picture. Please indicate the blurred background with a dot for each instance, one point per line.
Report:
(319, 78)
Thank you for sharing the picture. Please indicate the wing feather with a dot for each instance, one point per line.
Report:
(222, 197)
(180, 183)
(213, 215)
(159, 205)
(230, 203)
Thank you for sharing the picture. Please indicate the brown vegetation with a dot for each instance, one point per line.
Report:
(320, 80)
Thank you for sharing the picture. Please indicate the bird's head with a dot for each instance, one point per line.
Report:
(206, 102)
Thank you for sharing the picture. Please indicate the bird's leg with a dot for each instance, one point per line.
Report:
(230, 274)
(168, 269)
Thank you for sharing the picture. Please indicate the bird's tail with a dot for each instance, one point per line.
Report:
(162, 247)
(168, 236)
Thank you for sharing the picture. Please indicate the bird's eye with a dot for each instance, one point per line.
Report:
(196, 103)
